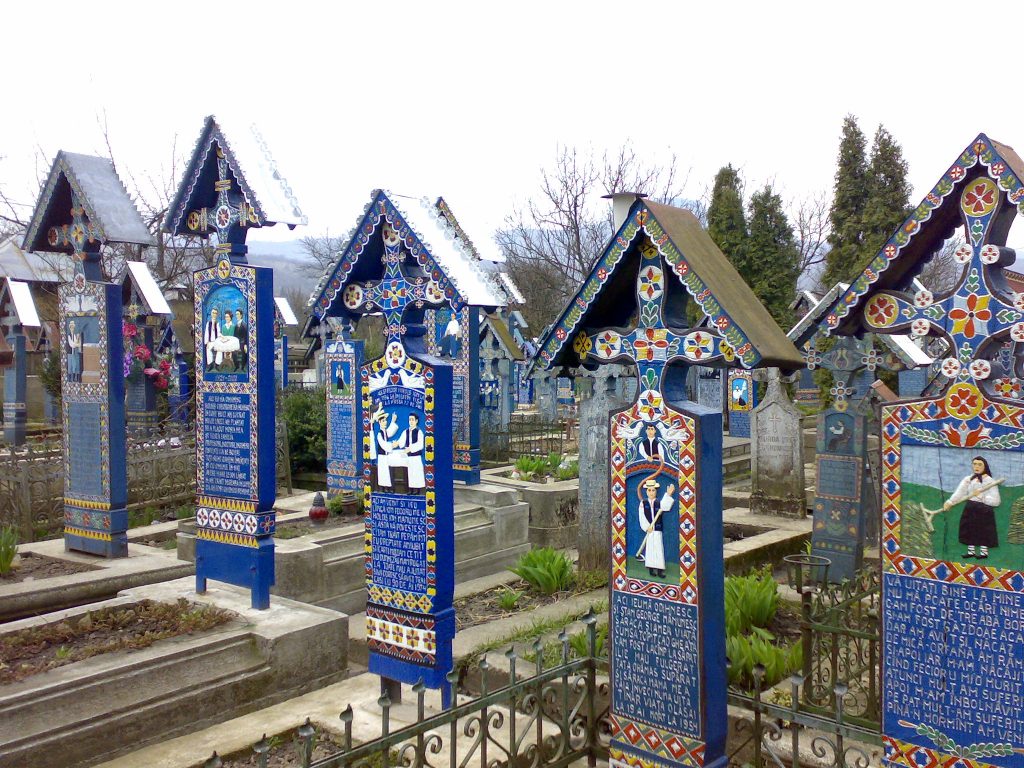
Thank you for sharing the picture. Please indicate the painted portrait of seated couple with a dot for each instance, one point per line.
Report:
(226, 332)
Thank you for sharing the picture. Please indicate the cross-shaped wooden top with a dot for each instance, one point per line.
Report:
(230, 216)
(980, 314)
(393, 294)
(83, 239)
(652, 344)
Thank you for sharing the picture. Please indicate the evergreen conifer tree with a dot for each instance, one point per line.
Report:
(849, 199)
(773, 255)
(727, 223)
(888, 193)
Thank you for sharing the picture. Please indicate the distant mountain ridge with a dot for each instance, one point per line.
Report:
(293, 269)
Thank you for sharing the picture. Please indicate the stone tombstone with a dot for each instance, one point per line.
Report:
(82, 207)
(777, 464)
(841, 492)
(952, 476)
(19, 314)
(596, 407)
(742, 400)
(145, 309)
(342, 360)
(228, 188)
(710, 392)
(667, 634)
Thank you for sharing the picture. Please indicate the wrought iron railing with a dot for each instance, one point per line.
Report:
(551, 719)
(534, 437)
(841, 638)
(773, 734)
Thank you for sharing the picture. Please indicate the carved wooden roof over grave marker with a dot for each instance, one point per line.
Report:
(17, 304)
(264, 190)
(743, 332)
(140, 281)
(106, 211)
(426, 235)
(502, 333)
(982, 191)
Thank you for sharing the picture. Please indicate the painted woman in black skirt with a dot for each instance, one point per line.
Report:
(978, 521)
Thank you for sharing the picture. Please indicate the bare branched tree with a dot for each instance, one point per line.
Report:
(809, 216)
(941, 272)
(552, 242)
(322, 251)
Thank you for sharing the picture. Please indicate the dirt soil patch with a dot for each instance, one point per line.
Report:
(284, 752)
(485, 606)
(292, 529)
(786, 623)
(29, 651)
(33, 567)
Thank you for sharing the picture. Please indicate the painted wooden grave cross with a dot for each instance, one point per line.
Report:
(82, 206)
(233, 325)
(410, 529)
(667, 625)
(953, 477)
(18, 314)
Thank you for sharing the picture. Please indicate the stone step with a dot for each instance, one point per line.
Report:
(48, 708)
(111, 703)
(735, 467)
(735, 448)
(349, 541)
(486, 494)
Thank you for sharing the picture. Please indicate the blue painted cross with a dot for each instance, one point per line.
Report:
(83, 237)
(980, 314)
(653, 344)
(392, 295)
(230, 216)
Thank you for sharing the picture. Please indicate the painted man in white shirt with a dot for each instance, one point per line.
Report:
(411, 441)
(652, 523)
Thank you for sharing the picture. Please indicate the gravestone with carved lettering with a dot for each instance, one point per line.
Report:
(953, 476)
(742, 400)
(19, 315)
(710, 392)
(776, 454)
(665, 471)
(230, 187)
(82, 207)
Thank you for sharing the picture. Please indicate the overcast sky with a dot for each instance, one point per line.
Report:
(470, 100)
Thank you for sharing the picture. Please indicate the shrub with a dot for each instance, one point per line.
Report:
(528, 466)
(546, 570)
(554, 461)
(8, 547)
(305, 413)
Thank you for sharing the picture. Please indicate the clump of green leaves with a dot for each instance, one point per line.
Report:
(554, 461)
(508, 598)
(8, 547)
(545, 569)
(580, 643)
(568, 471)
(529, 466)
(750, 601)
(745, 651)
